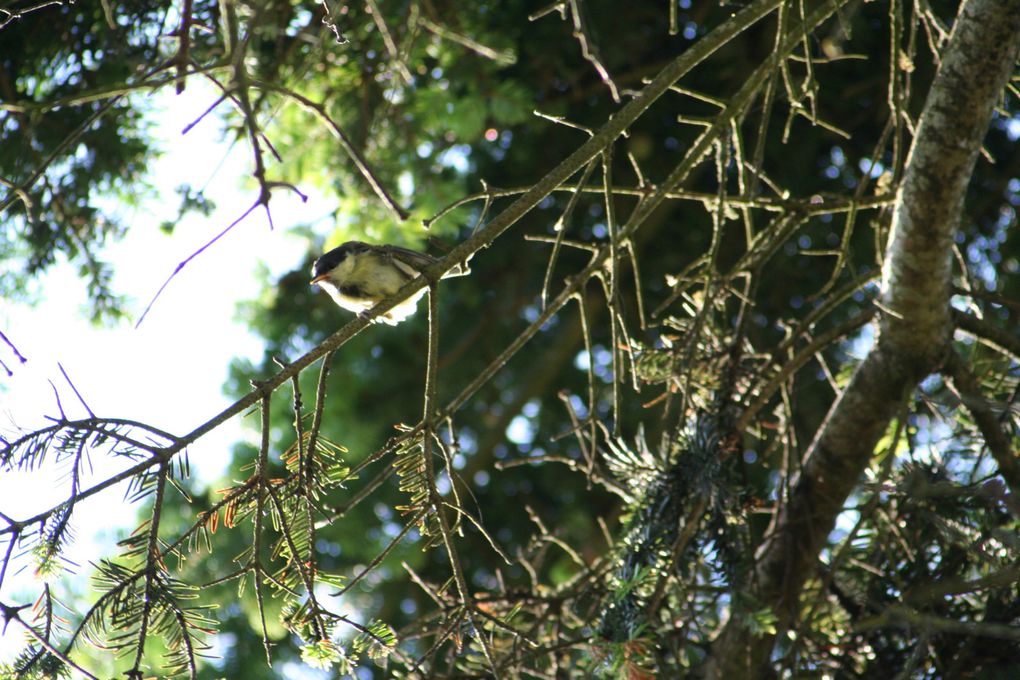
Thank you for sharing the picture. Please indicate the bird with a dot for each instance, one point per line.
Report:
(360, 275)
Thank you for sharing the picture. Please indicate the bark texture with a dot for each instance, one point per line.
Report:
(915, 327)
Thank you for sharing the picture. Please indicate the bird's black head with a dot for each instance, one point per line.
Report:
(329, 261)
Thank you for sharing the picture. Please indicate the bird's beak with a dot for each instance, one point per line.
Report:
(320, 278)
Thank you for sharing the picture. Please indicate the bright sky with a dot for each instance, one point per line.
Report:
(169, 372)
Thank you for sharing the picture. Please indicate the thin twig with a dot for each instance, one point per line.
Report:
(181, 265)
(13, 348)
(76, 392)
(506, 57)
(348, 146)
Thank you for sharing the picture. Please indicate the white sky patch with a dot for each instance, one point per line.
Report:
(168, 373)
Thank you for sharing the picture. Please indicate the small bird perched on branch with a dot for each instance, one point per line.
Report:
(360, 275)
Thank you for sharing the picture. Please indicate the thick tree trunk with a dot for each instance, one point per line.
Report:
(915, 327)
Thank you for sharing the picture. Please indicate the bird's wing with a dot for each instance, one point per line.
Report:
(416, 261)
(410, 257)
(410, 262)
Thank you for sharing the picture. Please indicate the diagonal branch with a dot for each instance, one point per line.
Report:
(967, 387)
(999, 339)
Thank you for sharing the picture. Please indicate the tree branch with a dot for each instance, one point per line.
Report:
(997, 440)
(1000, 340)
(914, 333)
